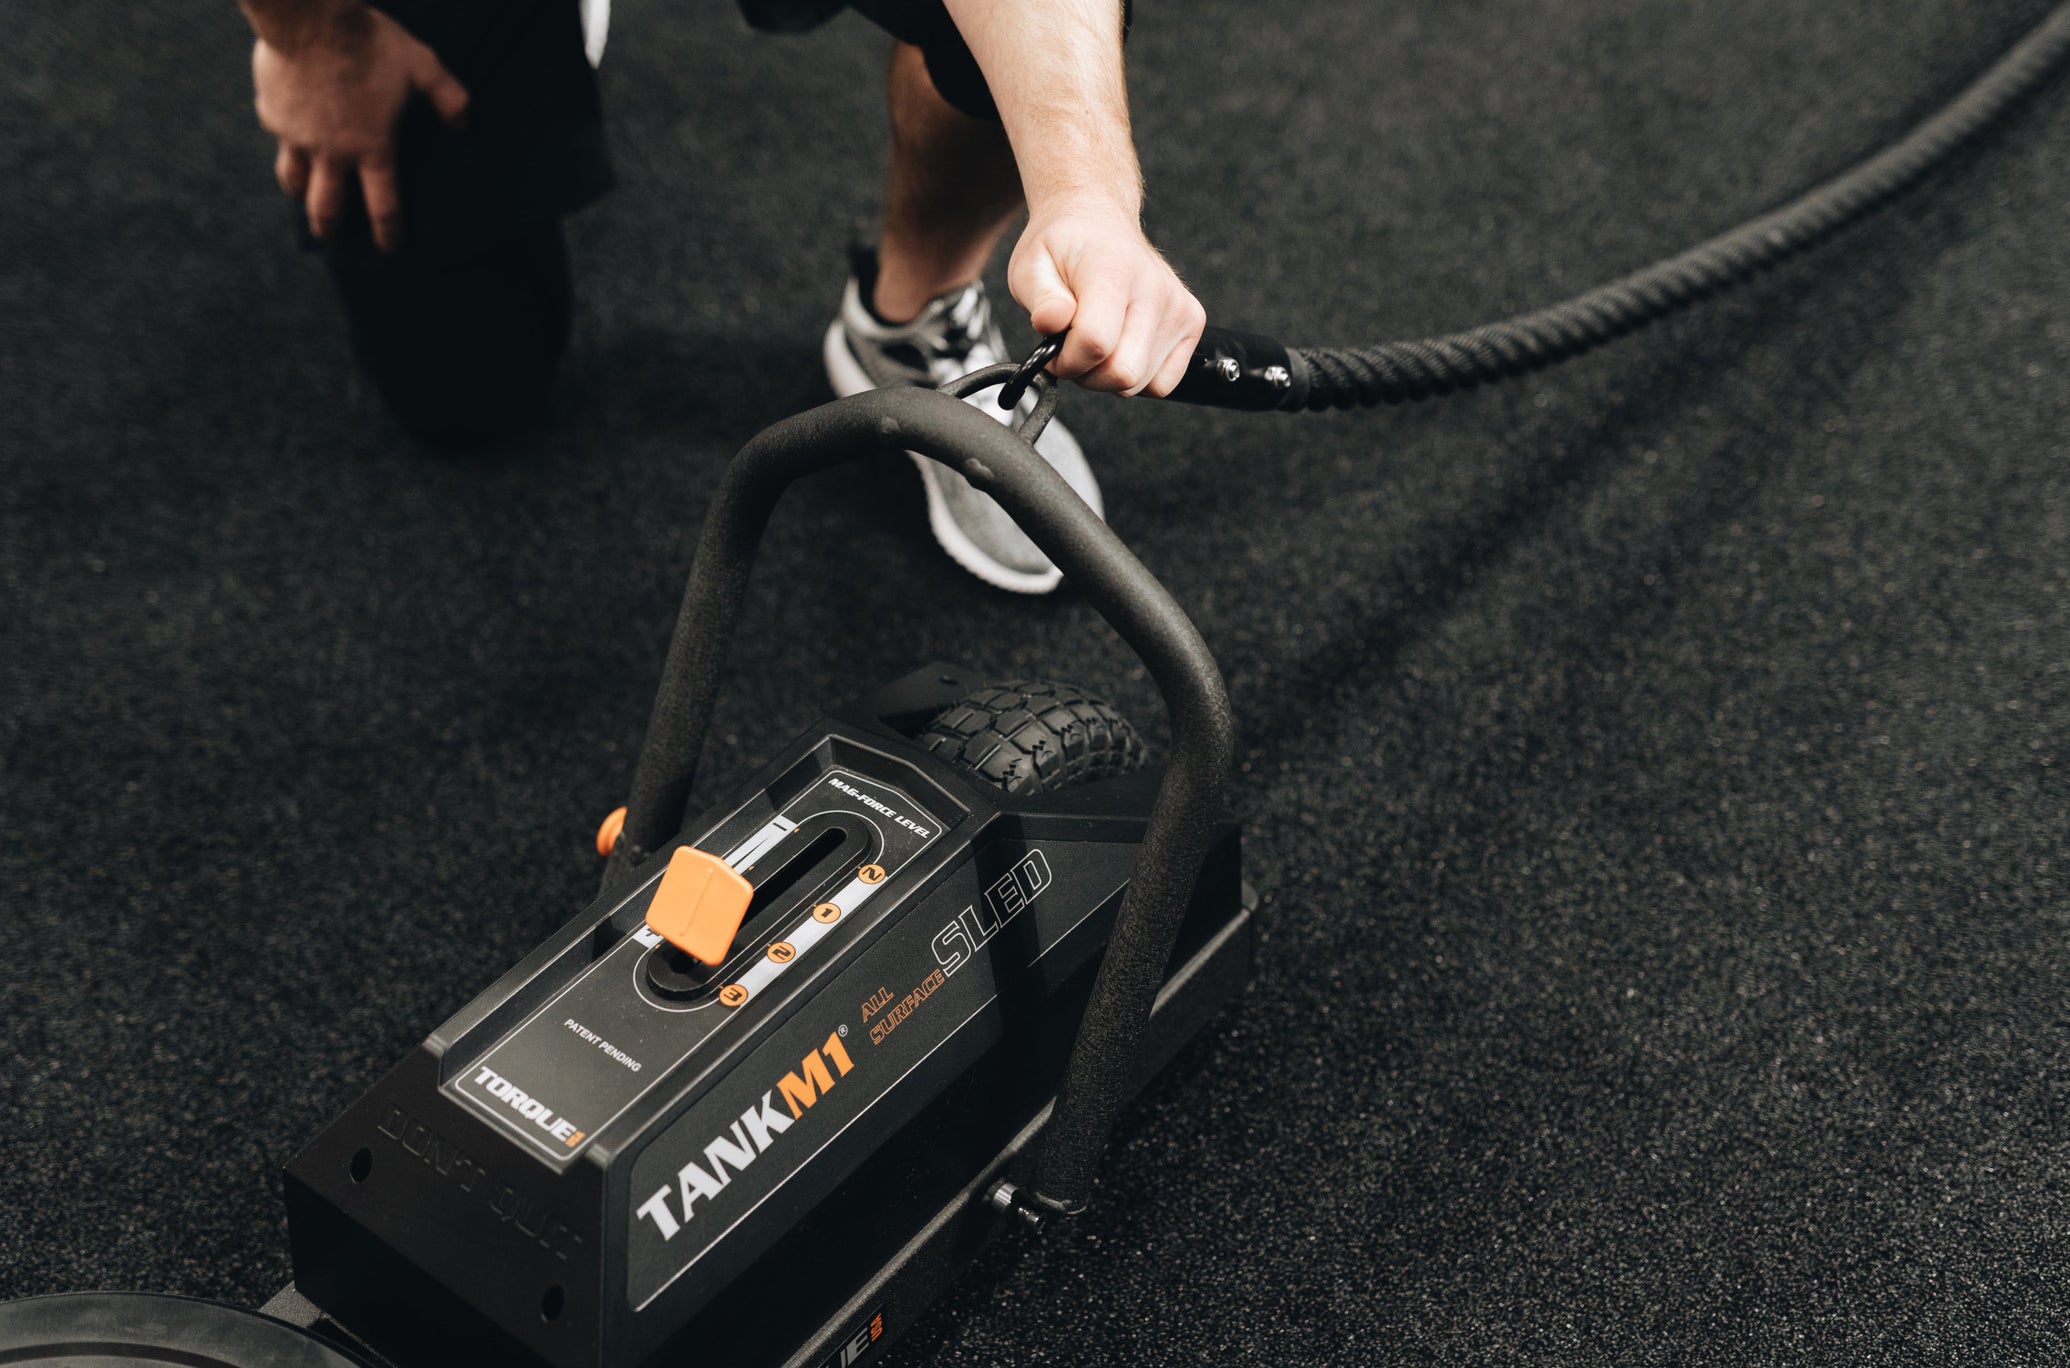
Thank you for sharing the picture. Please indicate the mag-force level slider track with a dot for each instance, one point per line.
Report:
(784, 890)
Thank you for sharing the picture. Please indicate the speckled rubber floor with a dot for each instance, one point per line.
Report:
(1654, 770)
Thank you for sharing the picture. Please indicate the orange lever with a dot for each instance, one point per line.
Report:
(610, 831)
(700, 904)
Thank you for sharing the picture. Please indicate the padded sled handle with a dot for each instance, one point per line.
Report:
(1140, 610)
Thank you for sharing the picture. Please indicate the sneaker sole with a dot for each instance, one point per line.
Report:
(848, 377)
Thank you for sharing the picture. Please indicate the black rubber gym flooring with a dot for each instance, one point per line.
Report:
(1654, 770)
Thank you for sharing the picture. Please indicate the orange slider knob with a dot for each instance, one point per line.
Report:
(700, 904)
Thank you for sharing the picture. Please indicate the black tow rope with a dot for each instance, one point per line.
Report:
(1244, 371)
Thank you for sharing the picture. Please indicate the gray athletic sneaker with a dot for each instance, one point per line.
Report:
(955, 335)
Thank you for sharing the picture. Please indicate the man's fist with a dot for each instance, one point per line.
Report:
(334, 104)
(1090, 269)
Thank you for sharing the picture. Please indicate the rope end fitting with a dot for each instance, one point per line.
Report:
(1245, 372)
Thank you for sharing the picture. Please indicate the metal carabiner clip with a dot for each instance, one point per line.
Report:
(1014, 390)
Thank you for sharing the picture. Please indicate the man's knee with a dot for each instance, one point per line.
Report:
(463, 349)
(463, 328)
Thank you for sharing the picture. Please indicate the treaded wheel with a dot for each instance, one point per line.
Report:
(1032, 736)
(144, 1330)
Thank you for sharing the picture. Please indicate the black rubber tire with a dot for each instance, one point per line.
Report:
(144, 1330)
(1032, 736)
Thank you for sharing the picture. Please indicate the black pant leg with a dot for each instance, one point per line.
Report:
(462, 347)
(463, 328)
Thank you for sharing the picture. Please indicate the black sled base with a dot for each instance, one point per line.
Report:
(610, 1160)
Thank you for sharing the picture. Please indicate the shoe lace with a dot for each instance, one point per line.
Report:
(957, 335)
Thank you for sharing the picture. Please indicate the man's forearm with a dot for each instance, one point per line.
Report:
(1055, 71)
(1083, 266)
(293, 26)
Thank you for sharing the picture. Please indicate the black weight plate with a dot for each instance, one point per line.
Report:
(145, 1330)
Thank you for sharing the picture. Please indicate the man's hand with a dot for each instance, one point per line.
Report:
(1090, 269)
(332, 94)
(1055, 71)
